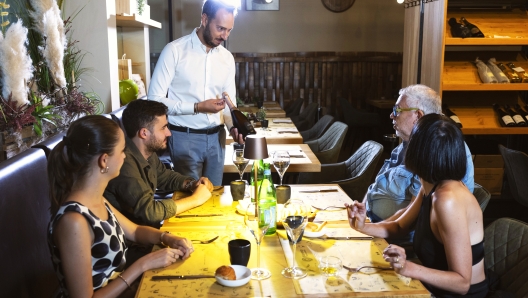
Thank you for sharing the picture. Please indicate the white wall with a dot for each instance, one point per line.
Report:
(94, 28)
(299, 25)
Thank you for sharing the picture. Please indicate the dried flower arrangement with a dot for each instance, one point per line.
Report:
(39, 65)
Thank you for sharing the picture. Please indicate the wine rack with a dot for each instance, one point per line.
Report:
(449, 67)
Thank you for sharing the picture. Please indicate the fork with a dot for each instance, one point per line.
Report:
(205, 241)
(363, 267)
(328, 207)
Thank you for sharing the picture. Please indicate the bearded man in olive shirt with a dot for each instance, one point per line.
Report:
(132, 192)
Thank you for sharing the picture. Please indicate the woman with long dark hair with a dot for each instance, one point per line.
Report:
(86, 235)
(449, 232)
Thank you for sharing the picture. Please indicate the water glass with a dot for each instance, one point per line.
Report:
(330, 266)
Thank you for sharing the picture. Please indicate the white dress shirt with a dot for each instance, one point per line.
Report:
(186, 74)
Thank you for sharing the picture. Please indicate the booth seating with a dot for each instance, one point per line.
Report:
(26, 269)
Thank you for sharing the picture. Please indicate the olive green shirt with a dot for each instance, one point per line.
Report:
(132, 192)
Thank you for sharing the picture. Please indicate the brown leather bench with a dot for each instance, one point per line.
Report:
(26, 269)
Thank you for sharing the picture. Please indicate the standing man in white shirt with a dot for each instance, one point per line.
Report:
(189, 78)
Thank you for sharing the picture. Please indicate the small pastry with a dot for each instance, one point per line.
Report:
(226, 272)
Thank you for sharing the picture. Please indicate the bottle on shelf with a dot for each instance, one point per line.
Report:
(267, 200)
(240, 121)
(521, 111)
(512, 76)
(519, 71)
(458, 30)
(485, 74)
(451, 115)
(475, 31)
(499, 75)
(519, 120)
(260, 176)
(504, 118)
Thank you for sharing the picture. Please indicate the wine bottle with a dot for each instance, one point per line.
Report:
(240, 121)
(485, 74)
(499, 75)
(452, 116)
(521, 111)
(512, 76)
(458, 30)
(519, 120)
(504, 118)
(475, 31)
(267, 201)
(519, 71)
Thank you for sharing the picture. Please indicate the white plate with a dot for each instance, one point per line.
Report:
(308, 233)
(242, 273)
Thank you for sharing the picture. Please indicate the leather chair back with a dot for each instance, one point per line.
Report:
(506, 254)
(306, 119)
(50, 143)
(328, 147)
(26, 269)
(482, 195)
(318, 129)
(516, 171)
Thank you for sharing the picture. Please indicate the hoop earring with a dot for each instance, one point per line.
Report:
(104, 171)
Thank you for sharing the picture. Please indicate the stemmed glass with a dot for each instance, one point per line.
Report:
(239, 161)
(294, 221)
(281, 162)
(258, 226)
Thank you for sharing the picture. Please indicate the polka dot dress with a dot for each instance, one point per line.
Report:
(108, 248)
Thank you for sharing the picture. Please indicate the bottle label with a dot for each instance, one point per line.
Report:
(507, 119)
(518, 118)
(267, 172)
(455, 118)
(518, 69)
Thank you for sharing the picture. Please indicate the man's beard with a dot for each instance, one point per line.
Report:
(154, 146)
(208, 38)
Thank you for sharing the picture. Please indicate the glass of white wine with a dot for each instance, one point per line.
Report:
(330, 265)
(295, 219)
(240, 161)
(281, 162)
(258, 226)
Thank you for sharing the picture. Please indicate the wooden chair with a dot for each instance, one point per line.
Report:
(328, 146)
(318, 129)
(26, 270)
(516, 172)
(353, 175)
(506, 254)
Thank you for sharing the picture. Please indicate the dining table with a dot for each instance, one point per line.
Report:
(302, 158)
(272, 111)
(275, 135)
(222, 219)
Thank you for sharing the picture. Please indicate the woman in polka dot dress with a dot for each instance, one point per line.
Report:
(86, 235)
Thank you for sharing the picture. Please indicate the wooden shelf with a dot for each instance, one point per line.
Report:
(136, 21)
(483, 121)
(463, 76)
(513, 24)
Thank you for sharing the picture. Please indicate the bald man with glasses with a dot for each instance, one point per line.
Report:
(395, 187)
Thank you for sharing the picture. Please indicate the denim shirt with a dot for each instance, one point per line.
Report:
(395, 185)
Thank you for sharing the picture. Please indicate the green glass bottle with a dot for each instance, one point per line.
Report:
(268, 200)
(260, 176)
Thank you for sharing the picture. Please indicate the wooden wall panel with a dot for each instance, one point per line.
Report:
(320, 77)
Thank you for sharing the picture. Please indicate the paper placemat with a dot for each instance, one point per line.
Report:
(358, 253)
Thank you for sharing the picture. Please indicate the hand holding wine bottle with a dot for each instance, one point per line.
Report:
(241, 125)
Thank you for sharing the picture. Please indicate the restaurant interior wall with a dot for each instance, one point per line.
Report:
(299, 25)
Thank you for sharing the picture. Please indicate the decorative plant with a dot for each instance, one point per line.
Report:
(38, 81)
(261, 114)
(140, 6)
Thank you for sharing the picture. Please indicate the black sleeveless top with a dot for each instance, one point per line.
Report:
(432, 253)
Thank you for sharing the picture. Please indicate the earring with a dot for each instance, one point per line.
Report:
(104, 171)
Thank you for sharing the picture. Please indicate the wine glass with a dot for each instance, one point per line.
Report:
(281, 162)
(239, 161)
(258, 226)
(294, 220)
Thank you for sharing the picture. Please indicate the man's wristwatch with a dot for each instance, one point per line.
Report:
(189, 185)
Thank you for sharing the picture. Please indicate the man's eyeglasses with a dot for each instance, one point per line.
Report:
(396, 111)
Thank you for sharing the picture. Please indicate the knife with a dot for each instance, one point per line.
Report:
(319, 190)
(196, 215)
(346, 238)
(288, 132)
(163, 277)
